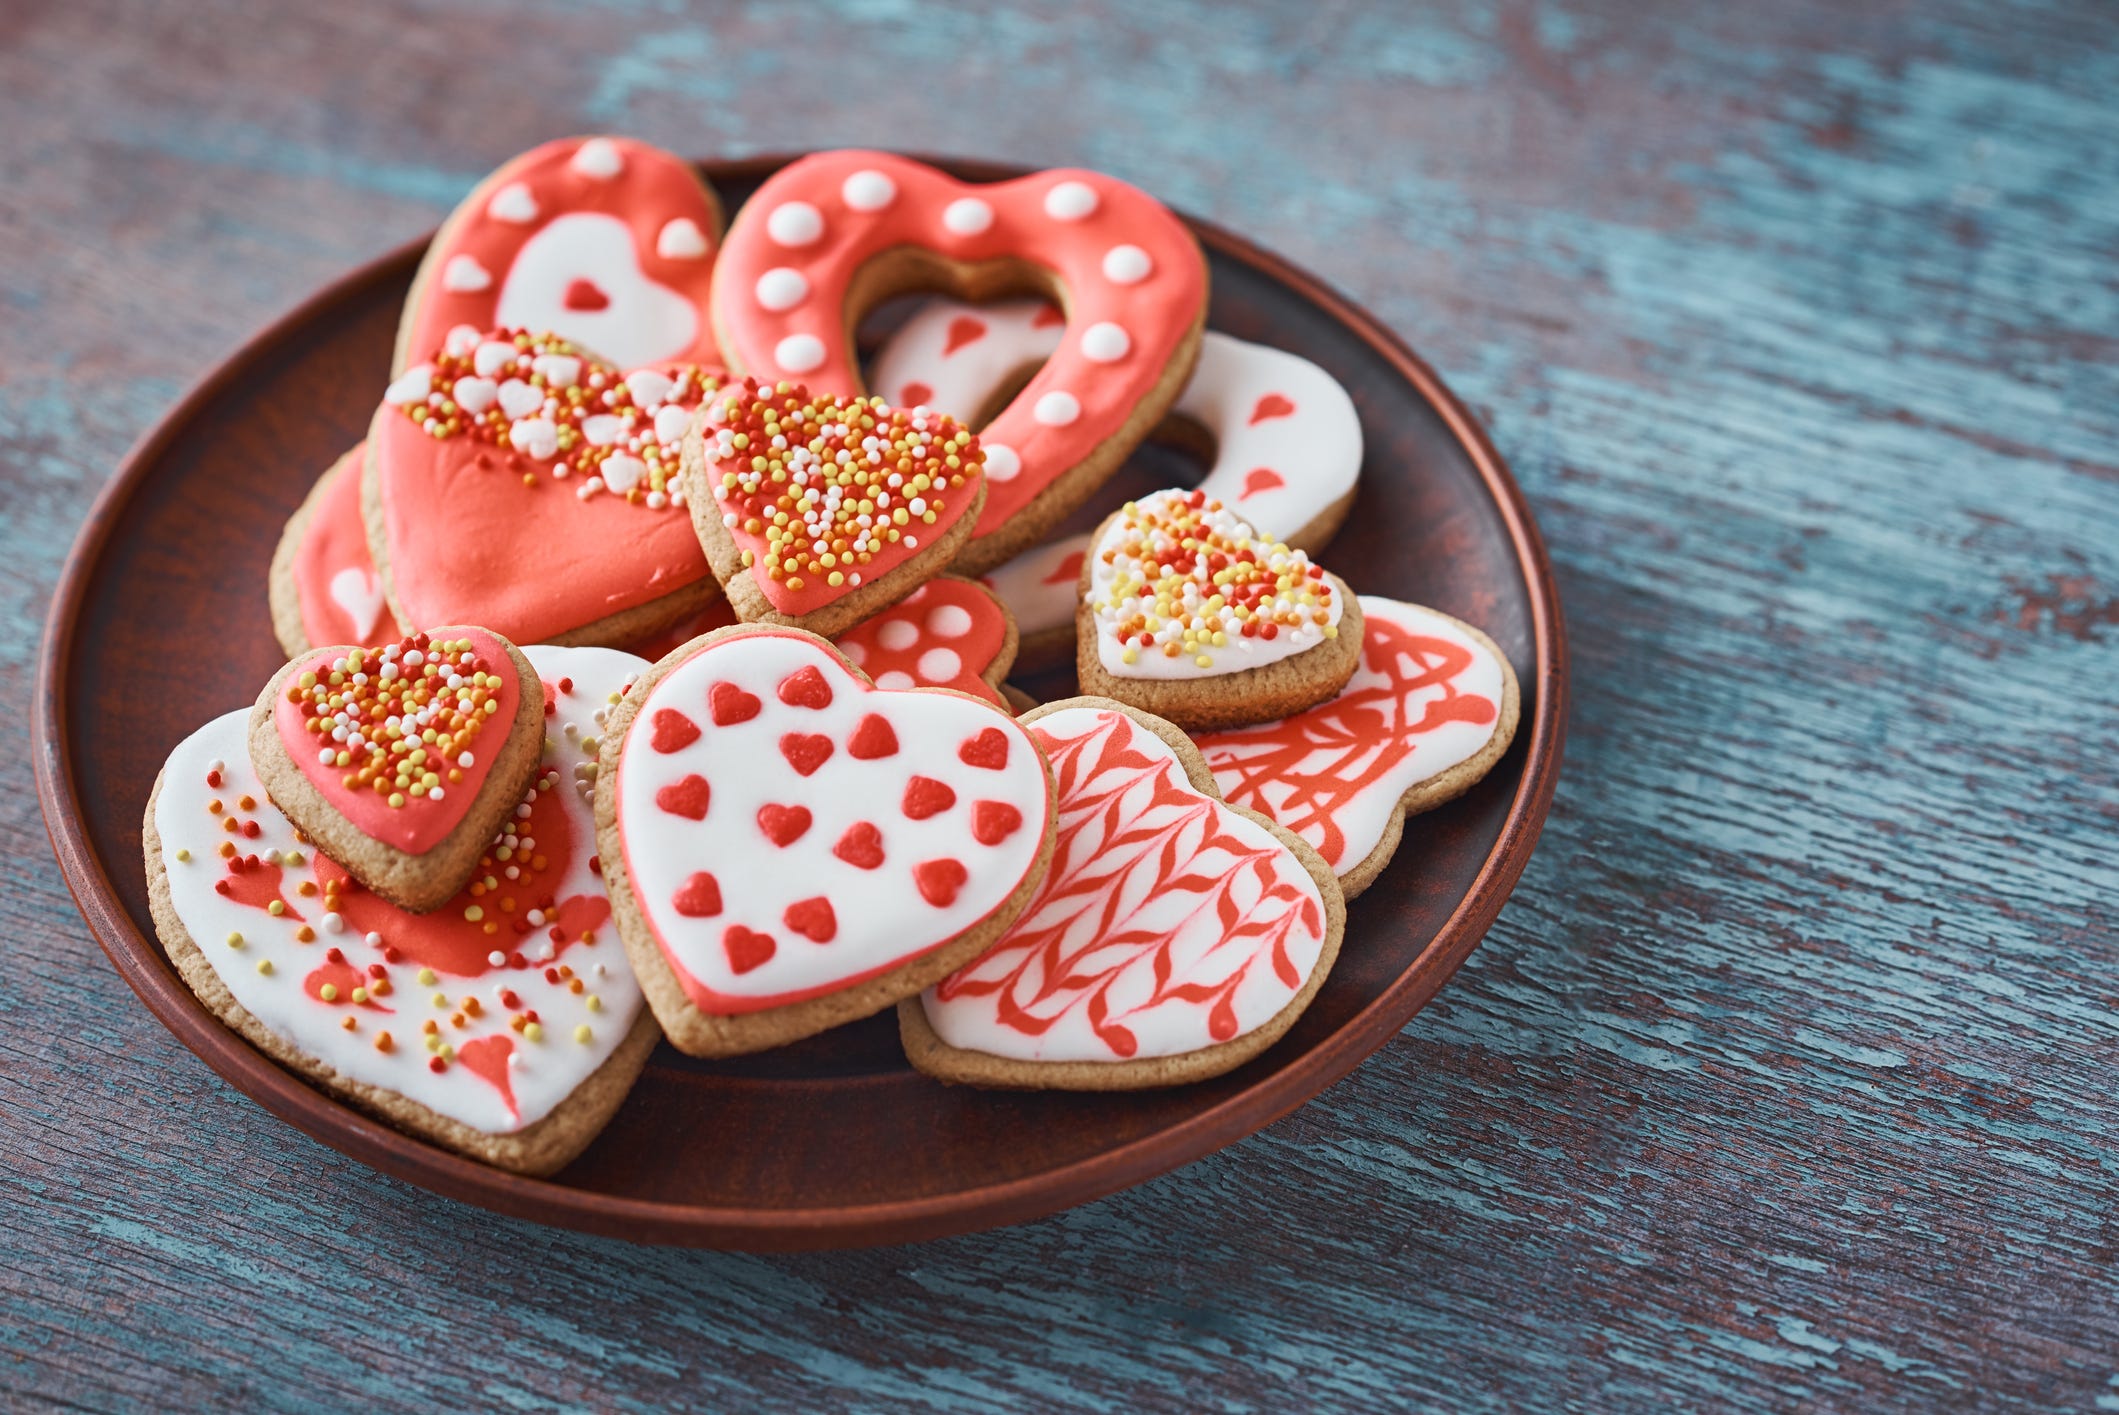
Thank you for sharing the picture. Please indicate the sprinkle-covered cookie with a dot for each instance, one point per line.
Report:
(789, 848)
(505, 1025)
(401, 762)
(1174, 938)
(817, 512)
(1189, 613)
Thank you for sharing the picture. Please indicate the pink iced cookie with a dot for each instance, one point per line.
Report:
(829, 236)
(604, 241)
(324, 588)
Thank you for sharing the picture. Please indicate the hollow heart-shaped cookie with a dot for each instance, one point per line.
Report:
(1175, 936)
(1189, 613)
(541, 1028)
(517, 481)
(605, 241)
(854, 844)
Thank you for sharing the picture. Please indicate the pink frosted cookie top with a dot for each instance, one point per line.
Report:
(945, 634)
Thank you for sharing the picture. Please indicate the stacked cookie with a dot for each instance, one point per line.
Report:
(759, 774)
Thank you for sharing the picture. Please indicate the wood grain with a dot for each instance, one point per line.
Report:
(1785, 1080)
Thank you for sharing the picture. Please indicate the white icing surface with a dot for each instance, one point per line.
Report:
(645, 322)
(542, 1073)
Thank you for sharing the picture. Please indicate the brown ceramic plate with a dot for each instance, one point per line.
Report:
(835, 1141)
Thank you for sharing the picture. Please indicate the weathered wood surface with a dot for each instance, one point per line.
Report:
(1788, 1077)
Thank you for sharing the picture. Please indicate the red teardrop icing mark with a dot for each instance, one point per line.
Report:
(586, 295)
(861, 846)
(988, 749)
(994, 821)
(344, 977)
(1046, 317)
(783, 825)
(1068, 570)
(731, 705)
(255, 882)
(939, 881)
(1260, 479)
(914, 395)
(673, 730)
(873, 739)
(487, 1059)
(805, 688)
(698, 897)
(813, 919)
(1271, 406)
(747, 950)
(806, 751)
(964, 329)
(686, 798)
(924, 797)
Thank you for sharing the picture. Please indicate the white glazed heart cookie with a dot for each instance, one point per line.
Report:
(505, 1025)
(1175, 937)
(789, 848)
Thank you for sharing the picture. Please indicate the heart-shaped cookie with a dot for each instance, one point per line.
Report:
(827, 238)
(1189, 613)
(323, 587)
(605, 241)
(1175, 936)
(401, 762)
(1433, 706)
(948, 633)
(505, 1025)
(788, 847)
(517, 481)
(817, 512)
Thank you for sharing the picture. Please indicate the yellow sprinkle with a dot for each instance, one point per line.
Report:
(235, 940)
(265, 967)
(441, 999)
(534, 1032)
(595, 1003)
(275, 908)
(426, 977)
(329, 992)
(183, 856)
(582, 1033)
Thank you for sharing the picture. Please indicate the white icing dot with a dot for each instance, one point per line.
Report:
(795, 223)
(949, 621)
(464, 275)
(513, 203)
(967, 216)
(1002, 463)
(681, 239)
(896, 679)
(869, 190)
(599, 157)
(1105, 343)
(940, 665)
(1070, 201)
(856, 653)
(897, 635)
(1057, 409)
(799, 353)
(782, 288)
(1127, 265)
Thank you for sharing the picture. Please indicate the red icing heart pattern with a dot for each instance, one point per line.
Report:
(866, 836)
(1168, 923)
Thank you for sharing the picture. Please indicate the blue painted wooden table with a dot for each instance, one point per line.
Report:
(1790, 1076)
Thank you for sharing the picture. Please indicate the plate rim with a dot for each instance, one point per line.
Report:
(337, 1124)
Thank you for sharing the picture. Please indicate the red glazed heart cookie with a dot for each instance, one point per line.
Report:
(504, 1025)
(1189, 613)
(402, 762)
(516, 481)
(1433, 706)
(1175, 936)
(818, 512)
(788, 847)
(323, 587)
(828, 237)
(604, 241)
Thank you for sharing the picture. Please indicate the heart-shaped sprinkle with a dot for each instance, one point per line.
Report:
(939, 881)
(747, 950)
(806, 751)
(687, 798)
(731, 705)
(699, 897)
(873, 739)
(474, 394)
(783, 825)
(993, 821)
(673, 731)
(988, 749)
(924, 797)
(813, 919)
(861, 846)
(519, 400)
(807, 689)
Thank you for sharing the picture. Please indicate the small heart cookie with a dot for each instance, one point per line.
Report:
(517, 481)
(948, 633)
(323, 587)
(788, 847)
(401, 762)
(505, 1025)
(817, 512)
(1175, 936)
(1190, 614)
(1433, 706)
(605, 241)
